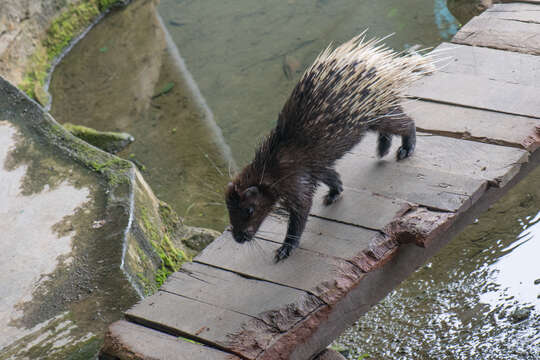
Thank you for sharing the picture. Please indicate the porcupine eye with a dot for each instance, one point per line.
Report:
(249, 211)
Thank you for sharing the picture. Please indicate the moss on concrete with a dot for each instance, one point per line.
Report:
(115, 169)
(60, 33)
(171, 257)
(109, 141)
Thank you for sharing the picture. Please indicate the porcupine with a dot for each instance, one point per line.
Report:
(347, 91)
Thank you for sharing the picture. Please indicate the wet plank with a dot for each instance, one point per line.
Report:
(181, 316)
(474, 124)
(278, 306)
(472, 159)
(478, 92)
(493, 64)
(500, 29)
(126, 340)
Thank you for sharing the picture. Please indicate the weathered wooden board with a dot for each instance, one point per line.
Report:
(478, 92)
(512, 35)
(359, 207)
(306, 271)
(419, 185)
(182, 316)
(323, 236)
(251, 297)
(496, 164)
(474, 124)
(126, 340)
(493, 64)
(516, 11)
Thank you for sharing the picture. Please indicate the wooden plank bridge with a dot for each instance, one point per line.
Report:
(479, 133)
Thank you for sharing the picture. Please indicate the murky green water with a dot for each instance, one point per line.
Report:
(459, 306)
(125, 76)
(236, 49)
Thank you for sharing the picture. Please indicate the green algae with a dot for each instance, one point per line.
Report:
(63, 29)
(171, 257)
(115, 169)
(109, 141)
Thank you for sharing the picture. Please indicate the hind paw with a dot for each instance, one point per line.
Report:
(331, 198)
(384, 143)
(403, 153)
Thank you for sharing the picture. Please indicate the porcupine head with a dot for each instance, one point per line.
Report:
(313, 131)
(248, 205)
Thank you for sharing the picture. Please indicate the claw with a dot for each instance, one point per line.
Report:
(331, 198)
(403, 153)
(282, 253)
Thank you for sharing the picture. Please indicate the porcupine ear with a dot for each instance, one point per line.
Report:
(232, 192)
(251, 191)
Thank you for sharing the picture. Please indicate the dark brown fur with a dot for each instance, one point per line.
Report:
(300, 153)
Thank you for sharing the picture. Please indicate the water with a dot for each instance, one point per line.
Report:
(459, 306)
(236, 49)
(134, 82)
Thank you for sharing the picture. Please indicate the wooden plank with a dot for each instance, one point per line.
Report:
(500, 34)
(494, 64)
(278, 306)
(478, 92)
(126, 340)
(496, 164)
(367, 249)
(359, 207)
(528, 13)
(323, 236)
(205, 323)
(474, 124)
(424, 186)
(306, 270)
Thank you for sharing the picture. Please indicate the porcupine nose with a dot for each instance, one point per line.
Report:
(240, 236)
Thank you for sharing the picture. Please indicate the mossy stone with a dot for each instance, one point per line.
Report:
(112, 142)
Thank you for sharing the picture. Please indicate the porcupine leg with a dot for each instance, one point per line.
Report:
(408, 143)
(333, 181)
(397, 123)
(383, 144)
(297, 223)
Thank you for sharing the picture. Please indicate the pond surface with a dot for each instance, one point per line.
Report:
(465, 304)
(236, 50)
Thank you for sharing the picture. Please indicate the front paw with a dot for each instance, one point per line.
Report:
(403, 153)
(283, 252)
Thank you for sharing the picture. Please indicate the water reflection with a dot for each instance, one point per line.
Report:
(516, 271)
